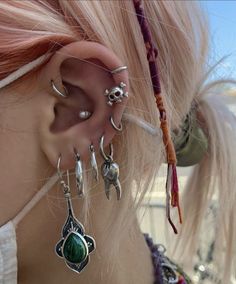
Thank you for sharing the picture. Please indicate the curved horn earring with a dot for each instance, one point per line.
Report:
(59, 93)
(79, 175)
(93, 162)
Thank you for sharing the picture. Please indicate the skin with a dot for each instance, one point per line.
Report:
(37, 126)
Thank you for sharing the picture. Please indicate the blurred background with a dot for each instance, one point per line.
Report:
(222, 21)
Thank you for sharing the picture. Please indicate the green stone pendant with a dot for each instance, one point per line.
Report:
(74, 246)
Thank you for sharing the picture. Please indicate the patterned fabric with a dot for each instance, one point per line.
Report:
(165, 270)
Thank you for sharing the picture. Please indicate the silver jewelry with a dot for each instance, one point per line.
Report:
(116, 94)
(84, 114)
(93, 162)
(110, 171)
(117, 128)
(119, 69)
(74, 246)
(79, 175)
(59, 93)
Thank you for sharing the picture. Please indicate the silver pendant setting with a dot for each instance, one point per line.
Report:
(116, 94)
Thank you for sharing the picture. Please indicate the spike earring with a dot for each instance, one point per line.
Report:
(110, 171)
(74, 246)
(79, 175)
(93, 162)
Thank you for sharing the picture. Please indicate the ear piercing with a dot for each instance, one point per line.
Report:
(93, 162)
(117, 128)
(59, 93)
(116, 94)
(84, 114)
(110, 171)
(119, 69)
(79, 175)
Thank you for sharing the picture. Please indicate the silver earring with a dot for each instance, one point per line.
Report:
(118, 70)
(74, 246)
(110, 171)
(93, 162)
(116, 94)
(84, 114)
(59, 93)
(79, 175)
(117, 128)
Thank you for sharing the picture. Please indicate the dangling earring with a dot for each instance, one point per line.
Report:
(110, 171)
(93, 162)
(74, 245)
(79, 175)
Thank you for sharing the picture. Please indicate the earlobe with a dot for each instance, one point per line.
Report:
(90, 85)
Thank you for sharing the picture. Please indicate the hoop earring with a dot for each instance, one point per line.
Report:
(117, 128)
(110, 171)
(74, 246)
(59, 93)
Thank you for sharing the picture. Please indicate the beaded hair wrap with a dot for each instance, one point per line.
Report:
(172, 188)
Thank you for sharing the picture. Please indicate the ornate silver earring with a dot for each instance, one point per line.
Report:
(79, 175)
(116, 94)
(93, 162)
(74, 246)
(117, 128)
(59, 93)
(110, 171)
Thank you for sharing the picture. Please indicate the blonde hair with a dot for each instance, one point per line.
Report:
(28, 29)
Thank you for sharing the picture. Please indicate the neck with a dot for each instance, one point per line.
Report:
(117, 259)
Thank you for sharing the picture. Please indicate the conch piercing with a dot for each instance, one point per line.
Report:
(110, 171)
(116, 94)
(58, 92)
(84, 114)
(119, 69)
(74, 246)
(93, 162)
(117, 128)
(79, 175)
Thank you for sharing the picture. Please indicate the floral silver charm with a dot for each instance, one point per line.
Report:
(116, 94)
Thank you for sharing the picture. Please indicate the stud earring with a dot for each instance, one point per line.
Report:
(79, 175)
(93, 162)
(116, 94)
(110, 171)
(59, 93)
(117, 128)
(74, 246)
(84, 114)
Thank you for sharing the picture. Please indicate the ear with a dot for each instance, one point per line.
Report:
(81, 70)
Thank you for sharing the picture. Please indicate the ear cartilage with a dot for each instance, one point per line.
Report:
(93, 162)
(79, 175)
(116, 94)
(84, 114)
(57, 92)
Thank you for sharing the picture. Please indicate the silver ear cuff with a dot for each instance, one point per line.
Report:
(59, 93)
(117, 128)
(110, 171)
(93, 162)
(79, 175)
(119, 69)
(116, 94)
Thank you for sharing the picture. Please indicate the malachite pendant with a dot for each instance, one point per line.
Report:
(74, 246)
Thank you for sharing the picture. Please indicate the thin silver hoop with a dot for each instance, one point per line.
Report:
(106, 157)
(65, 185)
(119, 69)
(117, 128)
(58, 92)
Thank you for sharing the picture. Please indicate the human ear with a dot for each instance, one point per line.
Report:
(81, 71)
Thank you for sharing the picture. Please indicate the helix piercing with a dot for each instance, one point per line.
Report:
(84, 114)
(93, 162)
(116, 94)
(58, 92)
(117, 128)
(110, 171)
(79, 175)
(118, 70)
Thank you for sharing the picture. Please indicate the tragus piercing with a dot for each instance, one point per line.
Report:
(118, 70)
(79, 175)
(74, 246)
(84, 114)
(116, 94)
(59, 93)
(93, 162)
(117, 128)
(110, 171)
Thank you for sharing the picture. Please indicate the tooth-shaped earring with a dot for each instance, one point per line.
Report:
(93, 162)
(79, 175)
